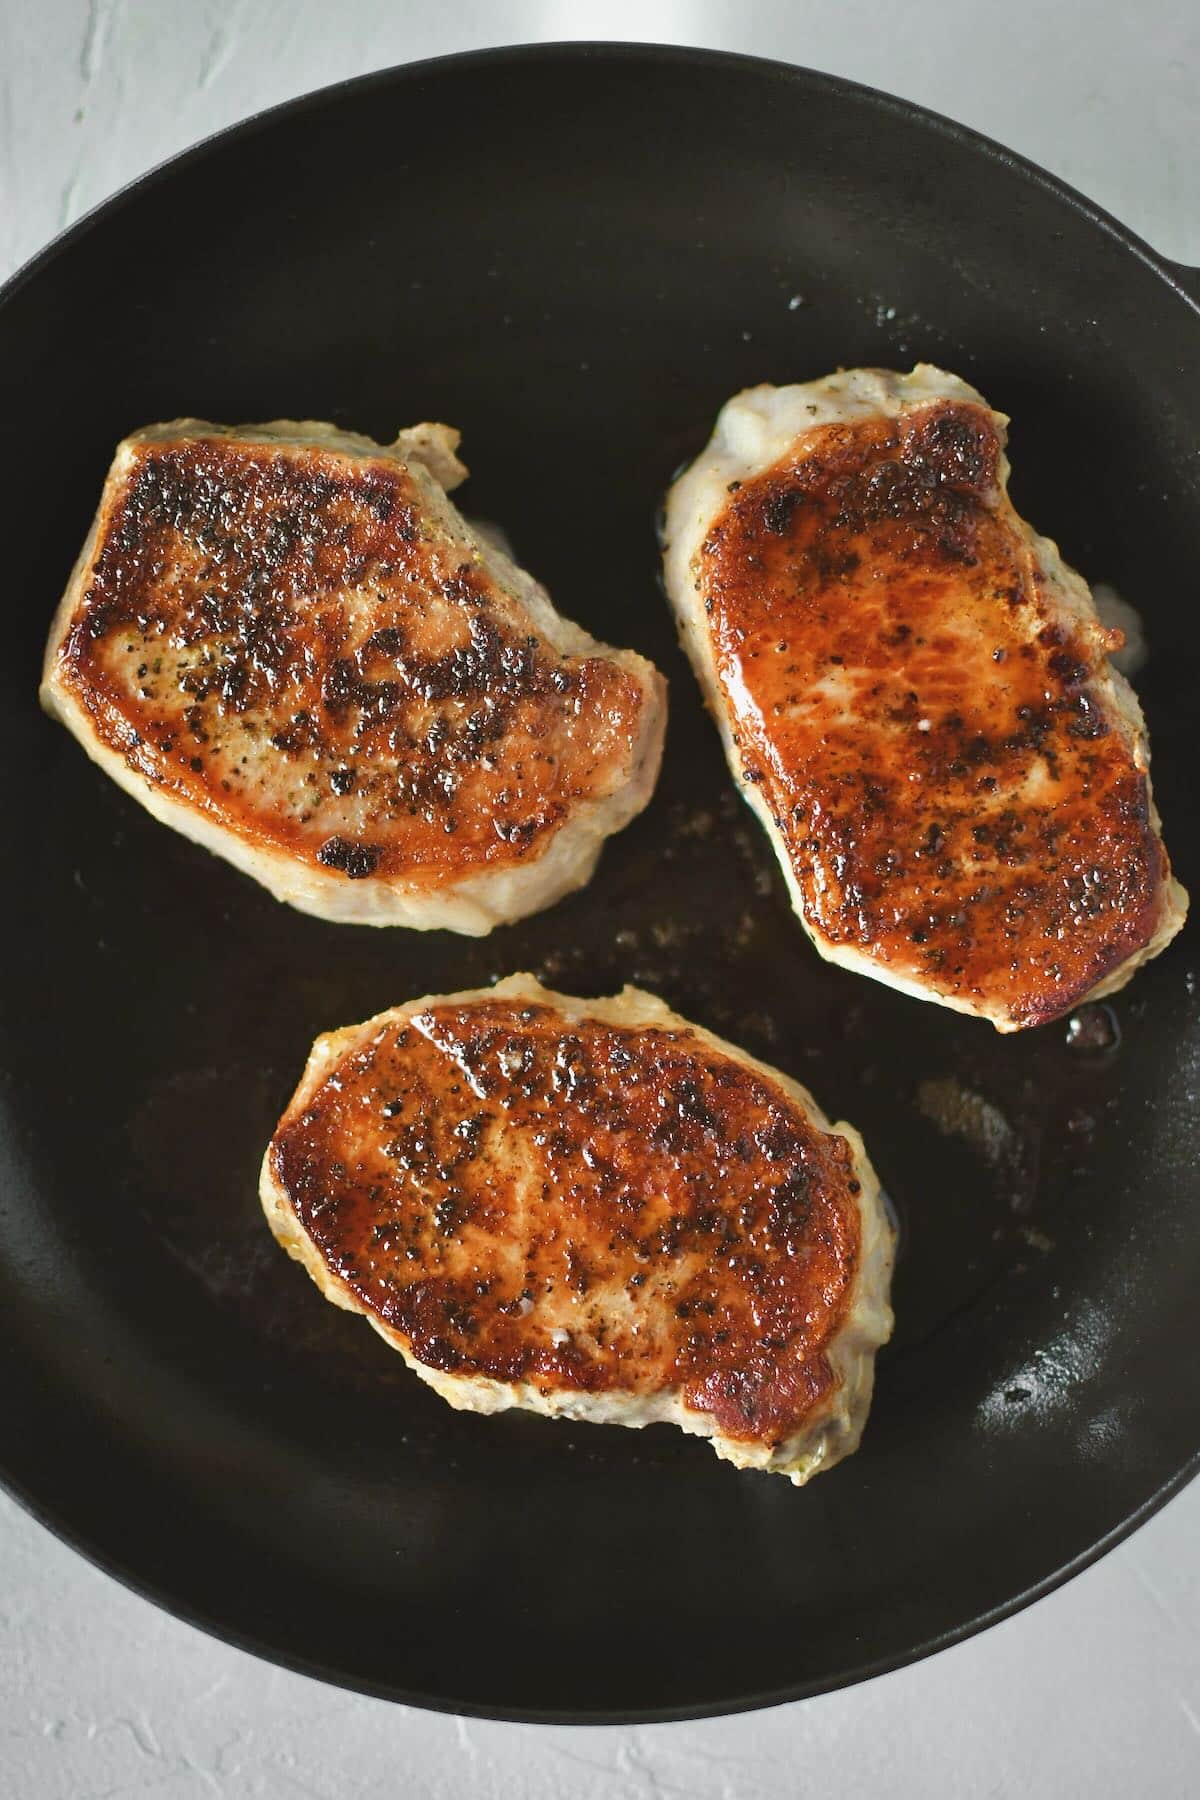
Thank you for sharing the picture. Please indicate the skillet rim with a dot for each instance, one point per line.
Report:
(1180, 278)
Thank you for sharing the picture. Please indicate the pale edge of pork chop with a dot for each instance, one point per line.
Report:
(835, 1427)
(754, 431)
(477, 903)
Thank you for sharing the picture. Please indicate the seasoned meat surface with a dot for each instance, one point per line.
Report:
(287, 643)
(916, 696)
(591, 1207)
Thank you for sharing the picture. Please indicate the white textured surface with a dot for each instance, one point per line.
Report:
(1096, 1691)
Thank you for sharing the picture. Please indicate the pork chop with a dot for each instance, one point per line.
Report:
(591, 1208)
(286, 643)
(915, 696)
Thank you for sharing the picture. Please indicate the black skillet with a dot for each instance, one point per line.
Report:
(576, 254)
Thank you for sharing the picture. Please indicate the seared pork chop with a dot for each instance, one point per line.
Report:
(915, 694)
(286, 642)
(592, 1208)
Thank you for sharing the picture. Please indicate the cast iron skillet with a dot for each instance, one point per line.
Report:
(576, 254)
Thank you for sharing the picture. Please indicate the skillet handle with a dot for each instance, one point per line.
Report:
(1188, 279)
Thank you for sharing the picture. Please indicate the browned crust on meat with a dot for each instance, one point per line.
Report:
(262, 620)
(471, 1166)
(956, 798)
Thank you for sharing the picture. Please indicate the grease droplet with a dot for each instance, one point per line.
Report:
(1093, 1030)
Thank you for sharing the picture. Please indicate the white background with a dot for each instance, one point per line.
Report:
(1096, 1691)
